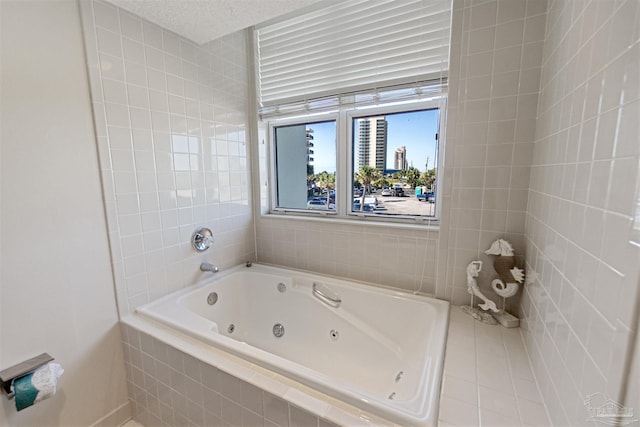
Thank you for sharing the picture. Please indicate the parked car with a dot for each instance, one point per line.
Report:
(320, 203)
(371, 200)
(386, 191)
(427, 197)
(398, 192)
(367, 207)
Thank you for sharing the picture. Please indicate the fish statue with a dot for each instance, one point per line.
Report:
(505, 265)
(473, 269)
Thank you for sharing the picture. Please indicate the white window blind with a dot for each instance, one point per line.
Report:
(351, 47)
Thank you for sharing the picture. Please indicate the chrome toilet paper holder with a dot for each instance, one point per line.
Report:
(21, 369)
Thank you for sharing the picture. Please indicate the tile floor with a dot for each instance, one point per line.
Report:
(487, 379)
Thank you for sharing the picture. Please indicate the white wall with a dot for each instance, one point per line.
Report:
(56, 285)
(582, 250)
(171, 122)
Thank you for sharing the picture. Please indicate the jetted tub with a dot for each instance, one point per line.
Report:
(379, 350)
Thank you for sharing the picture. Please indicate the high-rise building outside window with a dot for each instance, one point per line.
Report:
(400, 159)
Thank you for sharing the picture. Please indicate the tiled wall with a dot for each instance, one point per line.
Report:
(496, 54)
(171, 388)
(582, 253)
(171, 124)
(632, 395)
(393, 257)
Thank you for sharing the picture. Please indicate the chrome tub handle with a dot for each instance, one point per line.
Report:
(329, 300)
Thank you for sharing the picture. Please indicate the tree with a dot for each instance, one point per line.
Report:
(383, 182)
(413, 176)
(326, 181)
(428, 178)
(366, 175)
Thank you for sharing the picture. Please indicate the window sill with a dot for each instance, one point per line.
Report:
(423, 225)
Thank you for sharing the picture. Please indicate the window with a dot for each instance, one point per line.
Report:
(305, 166)
(395, 163)
(389, 168)
(353, 95)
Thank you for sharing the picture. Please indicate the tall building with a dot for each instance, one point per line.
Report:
(372, 142)
(400, 159)
(309, 135)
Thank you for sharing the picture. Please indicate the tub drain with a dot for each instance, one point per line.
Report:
(278, 330)
(231, 328)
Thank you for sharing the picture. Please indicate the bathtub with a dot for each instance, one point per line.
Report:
(379, 350)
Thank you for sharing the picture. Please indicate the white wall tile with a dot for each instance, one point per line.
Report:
(109, 42)
(106, 16)
(144, 105)
(581, 89)
(130, 25)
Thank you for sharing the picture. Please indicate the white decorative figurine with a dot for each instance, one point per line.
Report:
(473, 269)
(510, 277)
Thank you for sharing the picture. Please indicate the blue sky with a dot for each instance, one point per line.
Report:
(324, 142)
(415, 130)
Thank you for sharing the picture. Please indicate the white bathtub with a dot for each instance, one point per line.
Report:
(379, 350)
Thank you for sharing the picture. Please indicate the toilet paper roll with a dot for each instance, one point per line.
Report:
(36, 386)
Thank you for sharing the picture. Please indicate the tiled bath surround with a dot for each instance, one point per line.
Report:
(171, 122)
(582, 218)
(487, 381)
(496, 50)
(169, 387)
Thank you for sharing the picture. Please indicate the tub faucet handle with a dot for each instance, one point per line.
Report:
(205, 266)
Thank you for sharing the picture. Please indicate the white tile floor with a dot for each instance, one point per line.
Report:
(487, 379)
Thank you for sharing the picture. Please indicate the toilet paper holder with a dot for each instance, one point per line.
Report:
(20, 370)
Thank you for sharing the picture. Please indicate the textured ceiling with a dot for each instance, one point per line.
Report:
(206, 20)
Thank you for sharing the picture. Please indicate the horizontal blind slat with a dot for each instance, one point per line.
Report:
(400, 67)
(352, 25)
(324, 14)
(414, 34)
(351, 46)
(386, 51)
(355, 84)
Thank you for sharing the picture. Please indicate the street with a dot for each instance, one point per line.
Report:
(408, 205)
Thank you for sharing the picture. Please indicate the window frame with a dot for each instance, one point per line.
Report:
(344, 118)
(273, 186)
